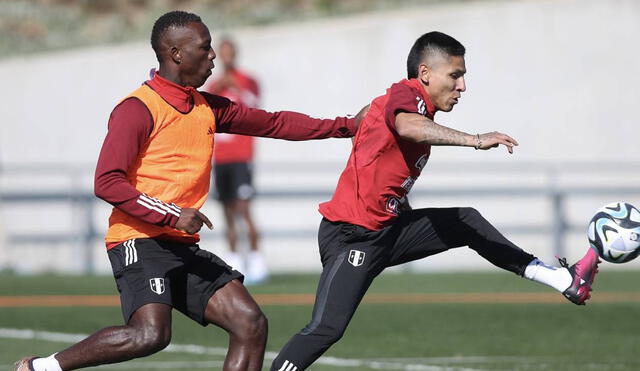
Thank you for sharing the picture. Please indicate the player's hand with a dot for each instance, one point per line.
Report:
(191, 221)
(494, 139)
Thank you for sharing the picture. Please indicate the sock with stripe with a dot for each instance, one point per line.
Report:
(46, 364)
(558, 278)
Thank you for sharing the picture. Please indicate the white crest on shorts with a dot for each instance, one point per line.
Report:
(157, 285)
(356, 257)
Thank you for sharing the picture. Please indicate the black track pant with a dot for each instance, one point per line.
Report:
(353, 256)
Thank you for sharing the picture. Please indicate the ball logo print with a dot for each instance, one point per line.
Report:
(157, 285)
(356, 257)
(614, 232)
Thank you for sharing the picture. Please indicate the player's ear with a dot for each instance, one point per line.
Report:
(424, 73)
(176, 54)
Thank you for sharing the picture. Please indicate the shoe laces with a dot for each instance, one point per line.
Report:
(563, 262)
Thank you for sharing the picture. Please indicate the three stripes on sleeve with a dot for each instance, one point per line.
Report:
(159, 206)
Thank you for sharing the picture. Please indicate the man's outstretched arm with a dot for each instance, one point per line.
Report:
(420, 129)
(239, 119)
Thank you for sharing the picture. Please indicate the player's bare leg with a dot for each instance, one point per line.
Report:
(242, 208)
(233, 309)
(229, 218)
(256, 267)
(233, 258)
(147, 332)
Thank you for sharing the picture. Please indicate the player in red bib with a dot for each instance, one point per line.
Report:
(368, 225)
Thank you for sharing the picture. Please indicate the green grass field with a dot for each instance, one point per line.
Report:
(405, 335)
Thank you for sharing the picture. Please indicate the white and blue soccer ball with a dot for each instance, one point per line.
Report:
(614, 232)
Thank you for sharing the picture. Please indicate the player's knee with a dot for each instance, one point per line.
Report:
(152, 339)
(332, 335)
(470, 215)
(251, 324)
(329, 334)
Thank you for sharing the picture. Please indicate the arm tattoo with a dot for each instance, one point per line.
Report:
(438, 135)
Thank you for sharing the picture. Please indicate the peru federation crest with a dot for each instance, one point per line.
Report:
(157, 285)
(356, 257)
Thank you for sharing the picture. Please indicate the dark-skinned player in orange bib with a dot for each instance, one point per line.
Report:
(368, 225)
(154, 168)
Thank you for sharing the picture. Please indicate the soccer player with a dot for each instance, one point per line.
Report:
(368, 225)
(154, 168)
(233, 168)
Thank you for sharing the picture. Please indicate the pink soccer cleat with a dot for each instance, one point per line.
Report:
(583, 273)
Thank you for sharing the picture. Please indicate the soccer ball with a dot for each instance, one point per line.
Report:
(614, 232)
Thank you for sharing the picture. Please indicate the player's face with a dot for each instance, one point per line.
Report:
(445, 81)
(195, 54)
(227, 55)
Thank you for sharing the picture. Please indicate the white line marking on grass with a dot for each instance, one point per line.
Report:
(386, 365)
(169, 365)
(58, 337)
(381, 364)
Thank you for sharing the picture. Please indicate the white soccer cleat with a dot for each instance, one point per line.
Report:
(25, 364)
(257, 271)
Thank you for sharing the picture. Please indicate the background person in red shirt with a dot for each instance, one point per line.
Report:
(233, 166)
(368, 225)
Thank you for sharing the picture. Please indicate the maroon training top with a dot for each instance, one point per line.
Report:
(131, 124)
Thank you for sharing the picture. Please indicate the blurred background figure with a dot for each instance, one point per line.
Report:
(233, 167)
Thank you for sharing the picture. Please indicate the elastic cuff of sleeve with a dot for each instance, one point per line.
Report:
(172, 220)
(351, 126)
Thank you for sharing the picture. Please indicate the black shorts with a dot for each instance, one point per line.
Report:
(158, 271)
(233, 181)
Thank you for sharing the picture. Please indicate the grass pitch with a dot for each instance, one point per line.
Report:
(433, 326)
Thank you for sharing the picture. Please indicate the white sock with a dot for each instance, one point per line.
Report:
(46, 364)
(235, 261)
(257, 266)
(558, 278)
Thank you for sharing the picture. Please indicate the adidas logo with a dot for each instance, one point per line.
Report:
(210, 131)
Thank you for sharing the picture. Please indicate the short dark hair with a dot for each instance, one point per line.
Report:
(176, 18)
(431, 43)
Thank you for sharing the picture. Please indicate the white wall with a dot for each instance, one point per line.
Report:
(559, 76)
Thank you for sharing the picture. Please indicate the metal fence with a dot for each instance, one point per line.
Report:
(558, 225)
